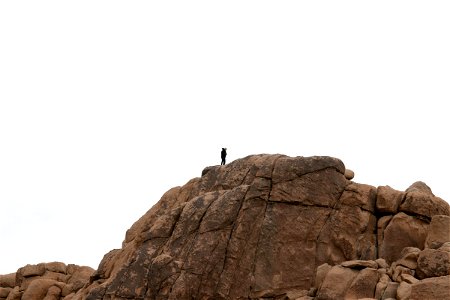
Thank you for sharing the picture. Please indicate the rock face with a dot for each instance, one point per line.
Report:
(276, 227)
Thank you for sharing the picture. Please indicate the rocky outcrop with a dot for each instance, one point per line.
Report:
(378, 280)
(49, 281)
(279, 227)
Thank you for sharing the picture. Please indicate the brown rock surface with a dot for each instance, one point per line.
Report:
(336, 283)
(381, 286)
(360, 195)
(249, 229)
(439, 232)
(259, 228)
(45, 281)
(4, 292)
(388, 199)
(404, 291)
(433, 263)
(445, 247)
(360, 264)
(402, 231)
(349, 174)
(437, 288)
(8, 280)
(419, 200)
(391, 291)
(409, 257)
(322, 271)
(15, 294)
(363, 286)
(38, 289)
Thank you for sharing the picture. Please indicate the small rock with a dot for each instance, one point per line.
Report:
(360, 264)
(399, 270)
(382, 271)
(349, 174)
(409, 250)
(4, 291)
(409, 260)
(403, 291)
(295, 294)
(391, 291)
(312, 292)
(445, 247)
(408, 278)
(57, 267)
(382, 263)
(32, 270)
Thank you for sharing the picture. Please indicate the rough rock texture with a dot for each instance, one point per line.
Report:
(431, 288)
(45, 281)
(402, 231)
(439, 231)
(267, 227)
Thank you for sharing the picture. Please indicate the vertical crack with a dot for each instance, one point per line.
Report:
(257, 246)
(338, 202)
(332, 210)
(233, 228)
(262, 224)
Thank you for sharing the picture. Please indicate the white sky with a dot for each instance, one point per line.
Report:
(105, 105)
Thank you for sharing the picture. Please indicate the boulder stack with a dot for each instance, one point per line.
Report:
(49, 281)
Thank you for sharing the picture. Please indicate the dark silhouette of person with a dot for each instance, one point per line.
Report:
(223, 155)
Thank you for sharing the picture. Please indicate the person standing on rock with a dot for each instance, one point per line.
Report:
(223, 155)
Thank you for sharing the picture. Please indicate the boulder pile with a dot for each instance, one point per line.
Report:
(49, 281)
(417, 274)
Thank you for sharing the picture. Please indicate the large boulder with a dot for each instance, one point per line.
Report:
(388, 199)
(8, 280)
(436, 288)
(433, 263)
(419, 200)
(38, 289)
(253, 228)
(402, 231)
(363, 286)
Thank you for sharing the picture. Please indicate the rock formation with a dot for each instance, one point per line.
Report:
(49, 281)
(277, 227)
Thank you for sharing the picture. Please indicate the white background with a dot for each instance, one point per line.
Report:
(105, 105)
